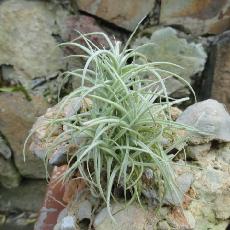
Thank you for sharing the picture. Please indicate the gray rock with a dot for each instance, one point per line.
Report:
(195, 16)
(168, 47)
(72, 107)
(59, 157)
(132, 217)
(17, 116)
(5, 150)
(163, 225)
(209, 117)
(218, 73)
(190, 219)
(123, 14)
(224, 153)
(196, 151)
(32, 23)
(9, 176)
(68, 223)
(85, 211)
(222, 207)
(211, 185)
(26, 197)
(184, 182)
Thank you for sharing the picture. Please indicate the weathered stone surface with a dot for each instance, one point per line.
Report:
(26, 40)
(83, 24)
(211, 185)
(196, 151)
(175, 112)
(166, 46)
(180, 219)
(27, 197)
(222, 209)
(5, 150)
(9, 176)
(163, 225)
(125, 14)
(175, 197)
(209, 117)
(131, 218)
(184, 182)
(221, 70)
(199, 17)
(48, 86)
(17, 116)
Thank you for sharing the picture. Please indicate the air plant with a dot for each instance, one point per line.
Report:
(125, 124)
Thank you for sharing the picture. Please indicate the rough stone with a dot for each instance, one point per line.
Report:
(131, 218)
(190, 219)
(209, 117)
(9, 176)
(222, 209)
(5, 150)
(224, 153)
(221, 73)
(17, 116)
(199, 17)
(26, 40)
(59, 156)
(48, 86)
(184, 182)
(83, 24)
(166, 46)
(27, 197)
(125, 14)
(85, 210)
(163, 225)
(180, 219)
(175, 112)
(211, 184)
(196, 151)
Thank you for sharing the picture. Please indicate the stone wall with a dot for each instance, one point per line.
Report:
(190, 33)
